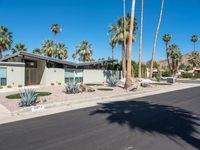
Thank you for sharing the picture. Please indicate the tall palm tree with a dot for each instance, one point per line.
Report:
(124, 39)
(128, 74)
(141, 31)
(62, 51)
(5, 39)
(176, 56)
(55, 28)
(194, 39)
(166, 39)
(48, 48)
(113, 43)
(19, 47)
(37, 51)
(118, 31)
(84, 51)
(194, 59)
(156, 37)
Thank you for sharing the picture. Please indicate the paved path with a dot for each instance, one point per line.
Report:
(169, 121)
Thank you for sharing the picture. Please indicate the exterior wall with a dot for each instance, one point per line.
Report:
(99, 76)
(41, 76)
(15, 74)
(54, 75)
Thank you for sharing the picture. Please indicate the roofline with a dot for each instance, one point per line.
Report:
(12, 64)
(64, 62)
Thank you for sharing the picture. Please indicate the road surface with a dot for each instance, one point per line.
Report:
(169, 121)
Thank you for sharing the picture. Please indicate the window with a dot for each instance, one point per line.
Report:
(3, 76)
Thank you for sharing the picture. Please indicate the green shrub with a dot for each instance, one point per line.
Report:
(52, 84)
(166, 73)
(1, 87)
(59, 83)
(28, 97)
(197, 75)
(19, 85)
(9, 86)
(187, 75)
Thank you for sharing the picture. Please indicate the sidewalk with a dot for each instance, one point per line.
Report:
(6, 116)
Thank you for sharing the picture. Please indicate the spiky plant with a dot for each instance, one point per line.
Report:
(28, 97)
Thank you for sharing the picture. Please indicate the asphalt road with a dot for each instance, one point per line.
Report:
(169, 121)
(189, 81)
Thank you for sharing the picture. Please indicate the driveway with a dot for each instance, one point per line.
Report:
(169, 121)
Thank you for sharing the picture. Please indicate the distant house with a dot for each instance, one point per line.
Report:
(24, 68)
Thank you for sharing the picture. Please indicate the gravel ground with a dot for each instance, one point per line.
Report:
(58, 95)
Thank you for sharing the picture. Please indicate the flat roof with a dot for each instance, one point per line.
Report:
(64, 62)
(12, 64)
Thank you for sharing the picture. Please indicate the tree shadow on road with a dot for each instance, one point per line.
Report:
(154, 118)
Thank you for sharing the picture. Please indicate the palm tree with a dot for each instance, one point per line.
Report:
(62, 51)
(194, 39)
(18, 48)
(113, 43)
(176, 56)
(84, 50)
(156, 37)
(55, 28)
(5, 39)
(48, 48)
(128, 74)
(166, 39)
(37, 51)
(118, 31)
(194, 59)
(140, 49)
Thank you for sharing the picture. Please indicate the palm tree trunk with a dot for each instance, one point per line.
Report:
(168, 61)
(141, 30)
(123, 61)
(128, 75)
(54, 54)
(113, 57)
(124, 51)
(155, 39)
(1, 54)
(194, 46)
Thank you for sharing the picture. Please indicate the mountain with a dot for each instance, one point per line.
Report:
(163, 63)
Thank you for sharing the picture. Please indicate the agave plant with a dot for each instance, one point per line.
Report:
(72, 89)
(28, 97)
(112, 81)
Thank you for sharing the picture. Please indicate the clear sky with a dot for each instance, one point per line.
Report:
(30, 22)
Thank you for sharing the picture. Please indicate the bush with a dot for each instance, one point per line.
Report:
(28, 97)
(187, 75)
(52, 84)
(197, 75)
(9, 86)
(72, 89)
(1, 87)
(19, 85)
(59, 83)
(166, 73)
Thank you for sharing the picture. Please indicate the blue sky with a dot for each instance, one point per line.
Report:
(30, 22)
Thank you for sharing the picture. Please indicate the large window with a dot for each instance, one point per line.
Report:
(73, 75)
(3, 76)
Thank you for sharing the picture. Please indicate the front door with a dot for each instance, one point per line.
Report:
(31, 76)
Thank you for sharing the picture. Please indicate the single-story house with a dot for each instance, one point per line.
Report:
(23, 68)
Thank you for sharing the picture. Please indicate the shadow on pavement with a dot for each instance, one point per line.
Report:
(166, 120)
